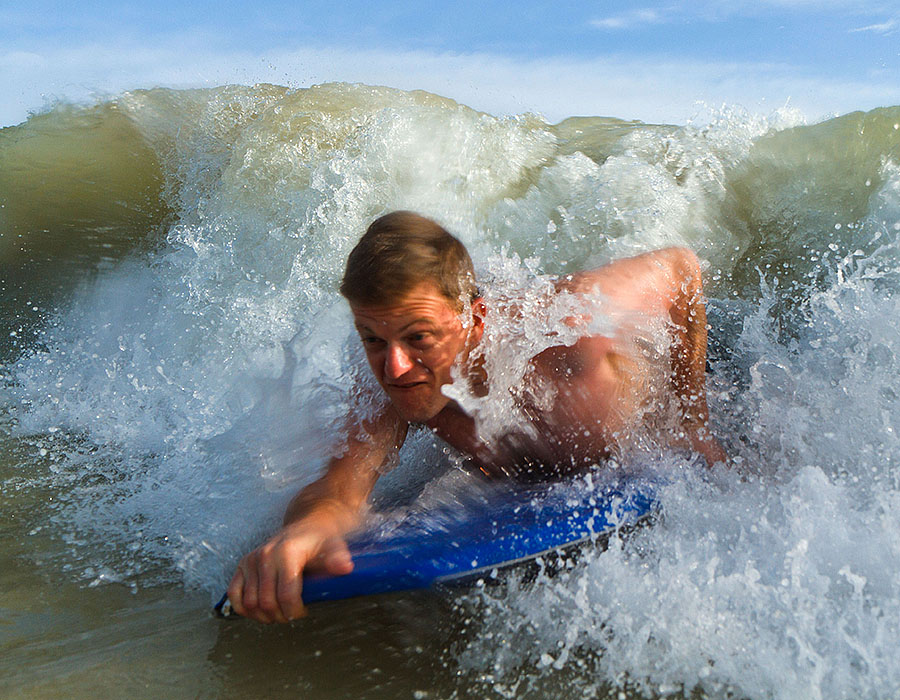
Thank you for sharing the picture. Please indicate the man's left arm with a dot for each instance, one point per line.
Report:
(687, 312)
(664, 283)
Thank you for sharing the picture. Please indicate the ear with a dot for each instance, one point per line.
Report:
(479, 311)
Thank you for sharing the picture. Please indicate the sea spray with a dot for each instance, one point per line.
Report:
(170, 396)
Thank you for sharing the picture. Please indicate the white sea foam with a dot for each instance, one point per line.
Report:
(185, 393)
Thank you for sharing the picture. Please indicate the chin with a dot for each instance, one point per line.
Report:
(416, 413)
(416, 416)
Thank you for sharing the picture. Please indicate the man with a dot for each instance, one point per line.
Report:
(411, 288)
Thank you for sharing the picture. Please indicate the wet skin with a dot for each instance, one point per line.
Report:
(602, 390)
(412, 346)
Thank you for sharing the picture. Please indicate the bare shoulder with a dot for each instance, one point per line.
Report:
(675, 260)
(385, 430)
(646, 281)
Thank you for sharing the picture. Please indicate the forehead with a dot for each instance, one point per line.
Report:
(424, 303)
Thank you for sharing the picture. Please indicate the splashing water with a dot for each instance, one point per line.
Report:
(191, 364)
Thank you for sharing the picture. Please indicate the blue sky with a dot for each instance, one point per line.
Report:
(655, 61)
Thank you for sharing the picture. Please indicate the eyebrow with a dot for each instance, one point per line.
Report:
(363, 327)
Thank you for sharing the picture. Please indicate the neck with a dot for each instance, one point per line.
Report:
(475, 375)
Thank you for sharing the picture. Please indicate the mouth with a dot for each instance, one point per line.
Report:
(406, 386)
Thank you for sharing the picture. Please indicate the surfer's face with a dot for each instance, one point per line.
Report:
(412, 346)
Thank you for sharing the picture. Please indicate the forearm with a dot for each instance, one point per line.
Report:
(324, 500)
(688, 316)
(688, 350)
(340, 494)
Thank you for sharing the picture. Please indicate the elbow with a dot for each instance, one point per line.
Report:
(685, 274)
(685, 263)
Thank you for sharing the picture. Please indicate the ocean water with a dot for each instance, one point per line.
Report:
(176, 363)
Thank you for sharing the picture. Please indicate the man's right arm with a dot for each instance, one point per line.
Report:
(267, 585)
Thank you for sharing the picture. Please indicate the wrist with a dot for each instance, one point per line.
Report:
(329, 516)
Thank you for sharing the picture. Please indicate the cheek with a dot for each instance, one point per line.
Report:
(376, 362)
(441, 362)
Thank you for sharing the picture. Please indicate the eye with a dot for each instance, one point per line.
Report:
(371, 340)
(421, 340)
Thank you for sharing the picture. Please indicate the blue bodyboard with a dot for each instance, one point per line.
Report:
(493, 528)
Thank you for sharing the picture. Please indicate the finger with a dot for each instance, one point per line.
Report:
(236, 592)
(268, 593)
(337, 560)
(333, 558)
(251, 584)
(290, 599)
(251, 601)
(242, 583)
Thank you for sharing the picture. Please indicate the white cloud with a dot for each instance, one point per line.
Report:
(719, 11)
(627, 20)
(741, 7)
(886, 28)
(645, 88)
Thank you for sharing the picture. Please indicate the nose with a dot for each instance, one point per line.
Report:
(397, 362)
